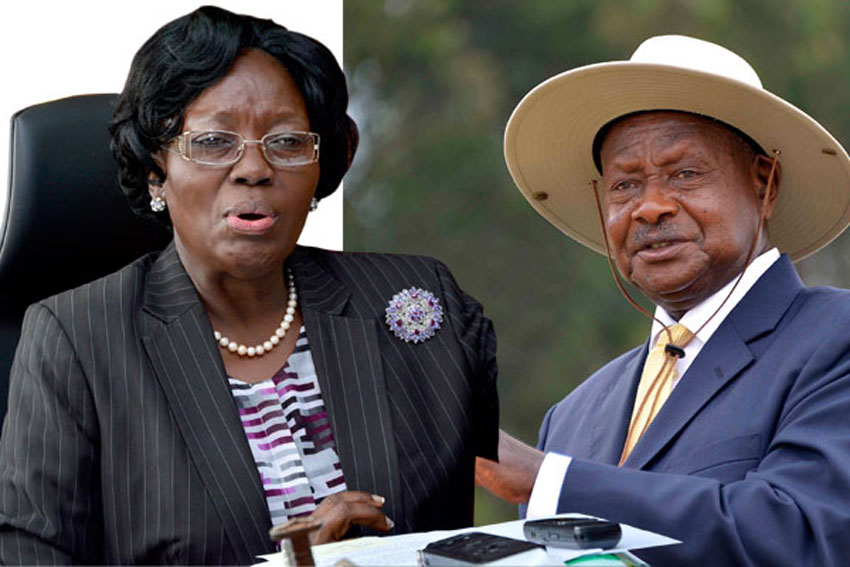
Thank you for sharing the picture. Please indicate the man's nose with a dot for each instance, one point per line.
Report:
(654, 203)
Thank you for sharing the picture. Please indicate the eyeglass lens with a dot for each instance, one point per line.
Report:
(280, 148)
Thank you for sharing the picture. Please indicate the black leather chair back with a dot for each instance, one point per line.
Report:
(66, 220)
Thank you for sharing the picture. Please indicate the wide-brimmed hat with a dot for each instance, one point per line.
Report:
(549, 137)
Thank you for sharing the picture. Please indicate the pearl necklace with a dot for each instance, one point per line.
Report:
(274, 340)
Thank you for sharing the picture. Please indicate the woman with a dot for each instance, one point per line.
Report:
(177, 409)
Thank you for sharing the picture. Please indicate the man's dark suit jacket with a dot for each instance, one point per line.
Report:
(122, 443)
(748, 462)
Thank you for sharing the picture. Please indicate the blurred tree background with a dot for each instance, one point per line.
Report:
(433, 83)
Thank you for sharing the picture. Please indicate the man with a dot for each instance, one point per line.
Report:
(735, 438)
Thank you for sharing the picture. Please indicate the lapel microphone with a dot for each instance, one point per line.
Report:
(674, 350)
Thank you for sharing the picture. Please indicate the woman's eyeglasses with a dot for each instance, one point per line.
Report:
(222, 148)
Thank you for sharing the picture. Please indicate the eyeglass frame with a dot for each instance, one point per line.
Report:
(182, 145)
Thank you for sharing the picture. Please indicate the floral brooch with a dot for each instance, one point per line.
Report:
(414, 315)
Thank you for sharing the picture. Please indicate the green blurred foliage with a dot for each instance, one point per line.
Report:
(433, 84)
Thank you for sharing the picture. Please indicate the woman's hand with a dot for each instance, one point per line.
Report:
(338, 512)
(512, 478)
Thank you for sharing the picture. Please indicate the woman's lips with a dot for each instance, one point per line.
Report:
(250, 217)
(250, 225)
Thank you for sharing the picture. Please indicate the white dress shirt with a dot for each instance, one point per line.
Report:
(553, 470)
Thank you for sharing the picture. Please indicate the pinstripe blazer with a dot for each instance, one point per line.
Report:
(122, 443)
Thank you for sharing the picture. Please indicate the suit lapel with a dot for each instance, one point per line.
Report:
(178, 340)
(612, 422)
(722, 359)
(350, 372)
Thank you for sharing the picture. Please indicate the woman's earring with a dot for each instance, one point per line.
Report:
(157, 204)
(314, 204)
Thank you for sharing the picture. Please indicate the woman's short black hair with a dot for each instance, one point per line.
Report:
(193, 52)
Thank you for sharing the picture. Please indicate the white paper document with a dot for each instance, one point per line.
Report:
(402, 549)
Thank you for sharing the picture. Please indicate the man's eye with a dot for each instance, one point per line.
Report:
(623, 186)
(685, 174)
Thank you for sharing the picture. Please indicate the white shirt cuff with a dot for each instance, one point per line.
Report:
(547, 486)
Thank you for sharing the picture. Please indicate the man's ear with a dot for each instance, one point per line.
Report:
(762, 166)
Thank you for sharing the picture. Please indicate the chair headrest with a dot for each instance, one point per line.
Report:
(67, 221)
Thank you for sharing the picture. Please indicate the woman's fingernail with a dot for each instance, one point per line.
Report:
(378, 499)
(390, 523)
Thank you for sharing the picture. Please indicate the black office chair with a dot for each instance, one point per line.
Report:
(67, 221)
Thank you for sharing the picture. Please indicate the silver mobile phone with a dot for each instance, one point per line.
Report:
(573, 533)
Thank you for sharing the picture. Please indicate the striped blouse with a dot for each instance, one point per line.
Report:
(289, 432)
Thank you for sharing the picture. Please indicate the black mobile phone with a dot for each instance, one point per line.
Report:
(471, 548)
(573, 533)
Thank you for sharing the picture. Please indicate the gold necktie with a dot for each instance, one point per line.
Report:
(656, 381)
